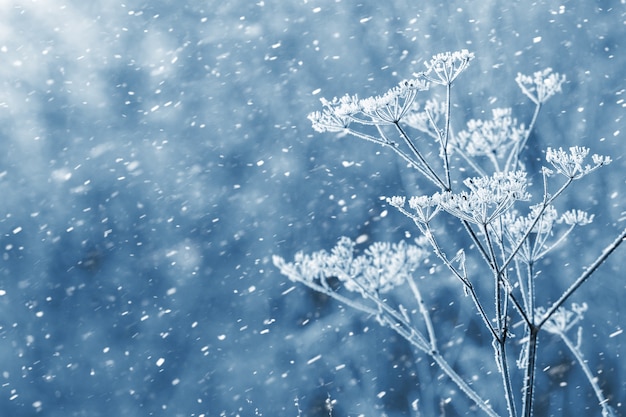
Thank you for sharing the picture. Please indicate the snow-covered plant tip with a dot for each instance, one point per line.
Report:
(479, 182)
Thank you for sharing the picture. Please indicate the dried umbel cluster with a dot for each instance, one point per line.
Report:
(487, 194)
(381, 267)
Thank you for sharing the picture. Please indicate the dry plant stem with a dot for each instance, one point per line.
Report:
(519, 307)
(537, 246)
(547, 201)
(485, 257)
(501, 317)
(529, 377)
(584, 276)
(446, 137)
(468, 285)
(445, 140)
(506, 376)
(424, 312)
(345, 300)
(386, 143)
(506, 284)
(445, 366)
(531, 293)
(481, 172)
(522, 285)
(602, 401)
(431, 175)
(531, 347)
(513, 159)
(534, 329)
(410, 336)
(397, 323)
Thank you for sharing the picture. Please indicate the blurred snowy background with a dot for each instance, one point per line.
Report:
(155, 154)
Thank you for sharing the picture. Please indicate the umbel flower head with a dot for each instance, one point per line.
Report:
(539, 222)
(488, 198)
(443, 68)
(425, 208)
(426, 120)
(337, 114)
(394, 104)
(380, 268)
(563, 319)
(541, 86)
(571, 164)
(491, 137)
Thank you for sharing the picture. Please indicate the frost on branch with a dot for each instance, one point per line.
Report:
(380, 268)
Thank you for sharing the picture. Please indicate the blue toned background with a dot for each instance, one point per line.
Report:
(156, 154)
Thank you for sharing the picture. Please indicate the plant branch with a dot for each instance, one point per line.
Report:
(584, 276)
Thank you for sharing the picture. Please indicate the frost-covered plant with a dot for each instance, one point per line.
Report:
(508, 230)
